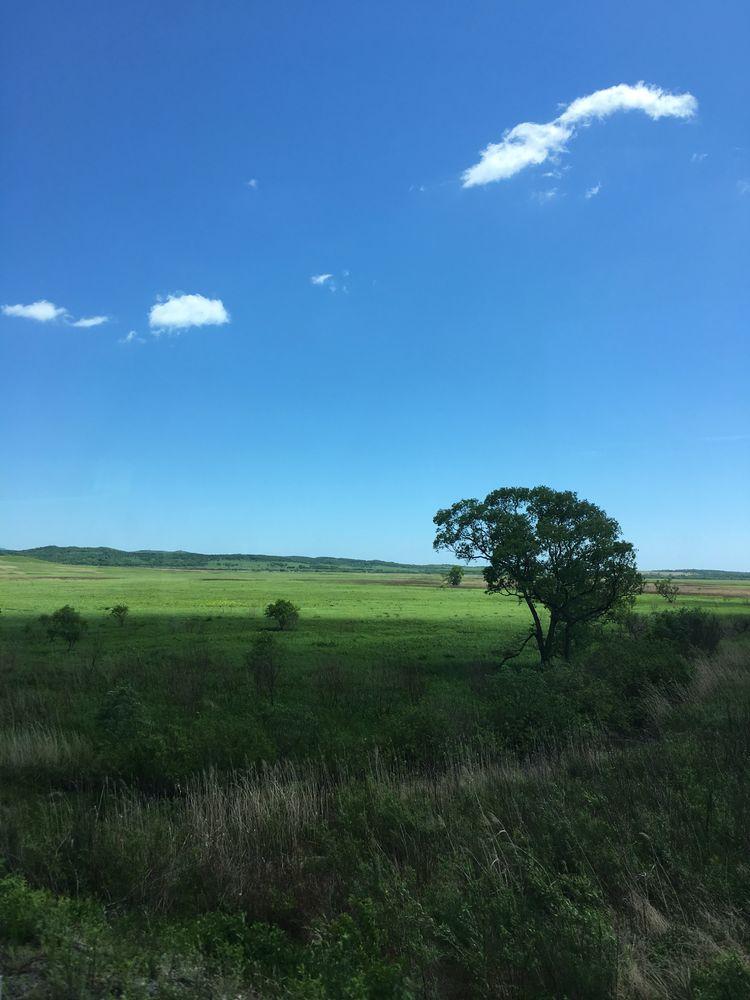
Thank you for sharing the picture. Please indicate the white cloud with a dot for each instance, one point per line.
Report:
(252, 183)
(179, 312)
(320, 279)
(87, 321)
(530, 144)
(592, 192)
(132, 338)
(698, 157)
(743, 186)
(41, 311)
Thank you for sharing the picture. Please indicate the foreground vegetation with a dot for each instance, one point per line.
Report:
(398, 818)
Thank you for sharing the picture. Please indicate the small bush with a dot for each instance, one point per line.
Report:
(22, 911)
(65, 623)
(119, 612)
(689, 629)
(283, 612)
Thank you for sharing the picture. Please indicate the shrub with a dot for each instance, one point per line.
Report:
(283, 612)
(667, 589)
(66, 623)
(119, 612)
(689, 629)
(22, 911)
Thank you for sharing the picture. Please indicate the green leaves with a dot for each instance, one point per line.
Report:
(548, 548)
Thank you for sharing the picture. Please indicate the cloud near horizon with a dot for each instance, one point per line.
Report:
(41, 311)
(530, 144)
(178, 312)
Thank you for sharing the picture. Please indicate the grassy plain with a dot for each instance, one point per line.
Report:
(402, 820)
(352, 613)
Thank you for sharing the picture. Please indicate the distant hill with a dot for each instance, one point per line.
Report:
(73, 555)
(79, 556)
(697, 574)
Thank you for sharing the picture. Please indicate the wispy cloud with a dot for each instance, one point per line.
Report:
(88, 321)
(178, 312)
(252, 183)
(321, 279)
(698, 157)
(592, 192)
(530, 144)
(545, 197)
(41, 311)
(131, 338)
(743, 186)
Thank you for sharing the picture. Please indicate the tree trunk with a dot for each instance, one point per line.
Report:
(549, 643)
(538, 631)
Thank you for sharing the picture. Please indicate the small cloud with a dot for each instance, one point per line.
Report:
(41, 311)
(178, 312)
(593, 191)
(698, 157)
(417, 187)
(531, 144)
(252, 183)
(88, 321)
(131, 338)
(323, 279)
(743, 186)
(545, 197)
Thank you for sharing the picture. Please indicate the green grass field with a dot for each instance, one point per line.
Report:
(401, 819)
(351, 613)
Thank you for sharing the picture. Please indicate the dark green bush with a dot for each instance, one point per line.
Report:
(689, 629)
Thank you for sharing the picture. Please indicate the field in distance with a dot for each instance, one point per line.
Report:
(410, 615)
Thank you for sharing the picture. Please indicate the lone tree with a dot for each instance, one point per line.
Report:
(283, 612)
(454, 576)
(66, 624)
(667, 589)
(550, 550)
(119, 612)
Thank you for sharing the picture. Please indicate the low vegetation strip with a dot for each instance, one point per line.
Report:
(584, 837)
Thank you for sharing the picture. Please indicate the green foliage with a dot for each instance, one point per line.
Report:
(66, 624)
(119, 612)
(283, 612)
(667, 589)
(725, 977)
(22, 911)
(549, 549)
(691, 629)
(454, 576)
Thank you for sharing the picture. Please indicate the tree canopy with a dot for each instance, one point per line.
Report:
(549, 549)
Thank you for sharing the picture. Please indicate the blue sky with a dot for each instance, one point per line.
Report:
(511, 331)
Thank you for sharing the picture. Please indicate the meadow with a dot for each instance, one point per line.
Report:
(398, 817)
